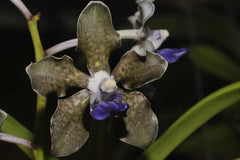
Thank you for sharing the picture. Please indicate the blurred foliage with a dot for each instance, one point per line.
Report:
(215, 62)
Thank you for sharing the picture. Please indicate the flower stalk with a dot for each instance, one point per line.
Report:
(39, 54)
(23, 9)
(61, 46)
(13, 139)
(130, 34)
(124, 34)
(41, 101)
(38, 49)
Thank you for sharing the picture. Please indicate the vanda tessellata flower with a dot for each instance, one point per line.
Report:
(96, 39)
(151, 40)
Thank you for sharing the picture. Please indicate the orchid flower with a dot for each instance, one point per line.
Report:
(151, 40)
(96, 39)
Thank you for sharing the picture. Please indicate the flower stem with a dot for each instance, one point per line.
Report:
(14, 139)
(21, 6)
(129, 34)
(40, 126)
(38, 49)
(38, 153)
(61, 46)
(41, 101)
(124, 34)
(40, 123)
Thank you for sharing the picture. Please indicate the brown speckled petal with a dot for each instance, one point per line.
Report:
(53, 74)
(141, 123)
(96, 36)
(67, 130)
(134, 71)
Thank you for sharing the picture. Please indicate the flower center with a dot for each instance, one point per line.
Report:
(109, 85)
(102, 81)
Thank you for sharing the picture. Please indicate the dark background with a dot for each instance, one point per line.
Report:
(189, 23)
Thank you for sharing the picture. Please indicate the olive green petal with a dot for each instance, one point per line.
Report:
(67, 130)
(141, 123)
(134, 71)
(96, 36)
(53, 74)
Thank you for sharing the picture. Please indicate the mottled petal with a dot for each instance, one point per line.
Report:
(140, 126)
(53, 74)
(134, 71)
(67, 130)
(172, 55)
(96, 36)
(145, 11)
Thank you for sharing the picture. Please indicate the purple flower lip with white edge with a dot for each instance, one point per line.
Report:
(106, 99)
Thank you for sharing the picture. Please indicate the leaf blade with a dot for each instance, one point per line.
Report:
(192, 120)
(13, 127)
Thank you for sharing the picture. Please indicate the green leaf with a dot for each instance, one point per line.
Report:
(134, 71)
(13, 127)
(192, 120)
(67, 130)
(96, 36)
(53, 74)
(140, 124)
(215, 62)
